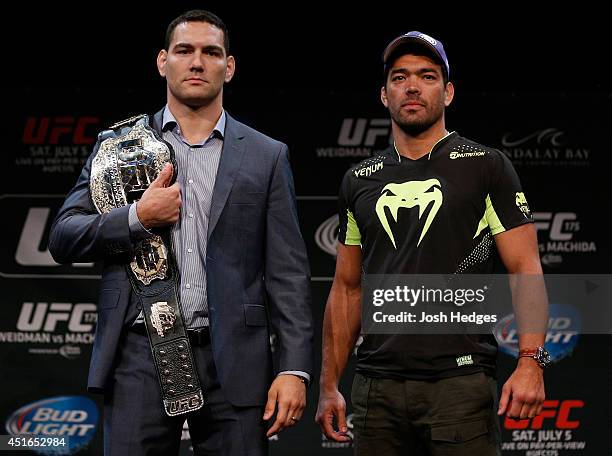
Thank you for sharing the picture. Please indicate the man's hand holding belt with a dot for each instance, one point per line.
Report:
(160, 204)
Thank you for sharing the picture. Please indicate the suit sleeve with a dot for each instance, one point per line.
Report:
(506, 204)
(287, 274)
(80, 234)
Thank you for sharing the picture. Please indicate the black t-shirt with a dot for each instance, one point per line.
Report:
(434, 215)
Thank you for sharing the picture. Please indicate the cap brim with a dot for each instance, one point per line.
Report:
(400, 41)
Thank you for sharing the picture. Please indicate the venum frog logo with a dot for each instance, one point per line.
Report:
(521, 203)
(424, 194)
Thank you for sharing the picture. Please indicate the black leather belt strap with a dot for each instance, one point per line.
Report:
(174, 361)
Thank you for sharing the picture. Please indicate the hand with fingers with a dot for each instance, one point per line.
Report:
(160, 204)
(523, 393)
(287, 396)
(332, 404)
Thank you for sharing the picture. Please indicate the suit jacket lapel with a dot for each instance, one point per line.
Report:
(231, 159)
(156, 121)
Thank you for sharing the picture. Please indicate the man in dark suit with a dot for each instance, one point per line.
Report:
(241, 258)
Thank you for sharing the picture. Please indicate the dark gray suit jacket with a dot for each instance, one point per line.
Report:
(257, 269)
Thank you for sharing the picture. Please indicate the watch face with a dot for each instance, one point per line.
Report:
(543, 356)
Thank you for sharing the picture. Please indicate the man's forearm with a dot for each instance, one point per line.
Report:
(530, 302)
(341, 326)
(531, 340)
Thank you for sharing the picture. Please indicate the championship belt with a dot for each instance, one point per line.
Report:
(131, 155)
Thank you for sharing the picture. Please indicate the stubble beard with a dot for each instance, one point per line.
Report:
(415, 125)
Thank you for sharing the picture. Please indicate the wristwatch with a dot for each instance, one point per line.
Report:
(540, 354)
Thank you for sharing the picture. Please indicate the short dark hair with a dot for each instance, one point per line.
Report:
(414, 49)
(198, 16)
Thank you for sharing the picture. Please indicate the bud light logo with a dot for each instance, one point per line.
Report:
(72, 417)
(561, 337)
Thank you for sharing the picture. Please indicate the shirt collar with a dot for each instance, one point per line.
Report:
(395, 155)
(169, 123)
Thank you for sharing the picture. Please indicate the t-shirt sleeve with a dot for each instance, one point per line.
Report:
(348, 231)
(506, 204)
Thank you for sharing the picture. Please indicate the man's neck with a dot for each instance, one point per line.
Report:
(416, 146)
(196, 124)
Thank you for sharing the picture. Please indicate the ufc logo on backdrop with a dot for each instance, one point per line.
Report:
(55, 130)
(559, 411)
(363, 132)
(43, 316)
(28, 253)
(561, 225)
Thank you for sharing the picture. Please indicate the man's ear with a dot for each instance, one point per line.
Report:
(383, 96)
(449, 93)
(231, 68)
(162, 57)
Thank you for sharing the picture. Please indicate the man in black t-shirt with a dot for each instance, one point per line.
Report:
(432, 203)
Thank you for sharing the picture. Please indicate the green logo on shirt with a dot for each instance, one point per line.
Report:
(463, 360)
(521, 203)
(409, 194)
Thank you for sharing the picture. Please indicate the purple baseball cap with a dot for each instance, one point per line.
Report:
(420, 38)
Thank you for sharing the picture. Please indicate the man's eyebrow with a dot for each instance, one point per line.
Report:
(210, 47)
(428, 70)
(183, 45)
(213, 47)
(404, 70)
